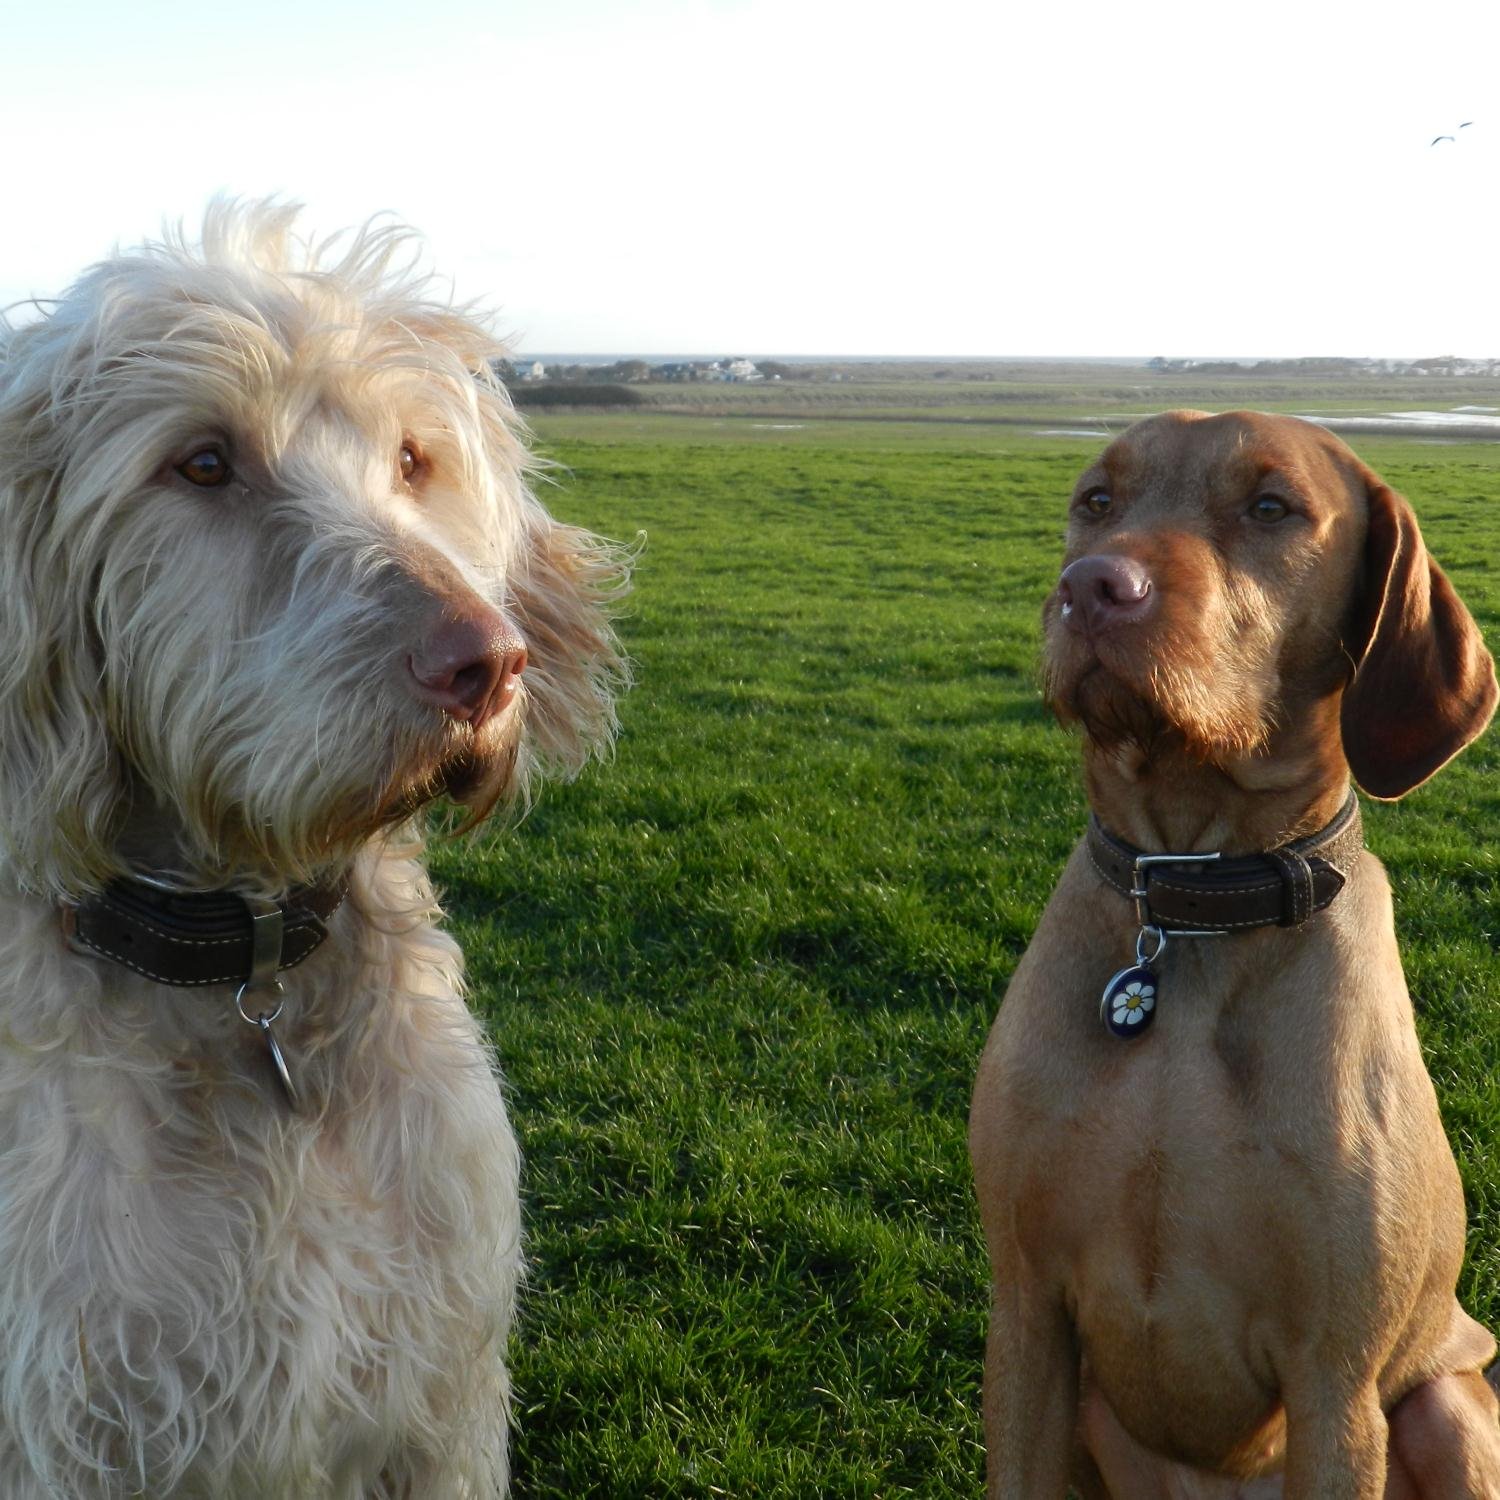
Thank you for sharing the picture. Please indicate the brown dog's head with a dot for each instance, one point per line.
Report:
(1226, 576)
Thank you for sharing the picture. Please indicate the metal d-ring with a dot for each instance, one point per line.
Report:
(263, 1019)
(1142, 958)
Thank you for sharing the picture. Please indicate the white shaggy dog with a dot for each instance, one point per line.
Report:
(270, 574)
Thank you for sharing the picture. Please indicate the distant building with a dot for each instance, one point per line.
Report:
(742, 370)
(536, 370)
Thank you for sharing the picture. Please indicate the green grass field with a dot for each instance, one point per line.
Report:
(740, 976)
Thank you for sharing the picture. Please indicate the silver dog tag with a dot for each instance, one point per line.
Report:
(278, 1060)
(262, 1022)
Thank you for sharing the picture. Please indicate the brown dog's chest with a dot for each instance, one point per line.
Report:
(1182, 1286)
(1205, 1198)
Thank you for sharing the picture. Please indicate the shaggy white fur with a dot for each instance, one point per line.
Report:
(202, 1292)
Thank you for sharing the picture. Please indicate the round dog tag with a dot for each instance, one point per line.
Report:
(1129, 1004)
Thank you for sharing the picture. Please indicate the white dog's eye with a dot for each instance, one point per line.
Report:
(409, 460)
(208, 468)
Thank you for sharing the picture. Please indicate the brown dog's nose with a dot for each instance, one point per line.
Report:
(469, 666)
(1101, 591)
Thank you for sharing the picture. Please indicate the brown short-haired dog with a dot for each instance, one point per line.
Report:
(1225, 1245)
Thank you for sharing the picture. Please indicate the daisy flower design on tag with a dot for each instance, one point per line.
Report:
(1128, 1006)
(1133, 1003)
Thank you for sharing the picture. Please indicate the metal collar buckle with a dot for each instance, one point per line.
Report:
(1139, 893)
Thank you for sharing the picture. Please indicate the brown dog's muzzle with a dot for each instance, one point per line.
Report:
(1115, 616)
(1099, 592)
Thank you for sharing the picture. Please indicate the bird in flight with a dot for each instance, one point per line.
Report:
(1453, 138)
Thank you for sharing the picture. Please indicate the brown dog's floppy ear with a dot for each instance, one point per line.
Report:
(1424, 684)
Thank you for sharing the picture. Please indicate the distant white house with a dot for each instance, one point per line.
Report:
(536, 370)
(742, 369)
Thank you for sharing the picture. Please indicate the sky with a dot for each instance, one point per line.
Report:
(938, 177)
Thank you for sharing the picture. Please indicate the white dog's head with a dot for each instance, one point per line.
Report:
(270, 573)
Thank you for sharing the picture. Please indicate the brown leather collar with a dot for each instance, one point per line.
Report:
(196, 937)
(1281, 888)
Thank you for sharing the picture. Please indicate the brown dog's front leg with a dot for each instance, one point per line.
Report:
(1445, 1440)
(1335, 1444)
(1030, 1397)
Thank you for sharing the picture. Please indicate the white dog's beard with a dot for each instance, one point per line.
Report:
(477, 773)
(314, 813)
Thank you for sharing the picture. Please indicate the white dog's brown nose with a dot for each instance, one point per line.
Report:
(469, 666)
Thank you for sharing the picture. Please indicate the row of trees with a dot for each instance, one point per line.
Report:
(1446, 364)
(641, 371)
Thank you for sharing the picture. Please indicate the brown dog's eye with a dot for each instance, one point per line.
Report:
(1098, 502)
(1268, 508)
(408, 460)
(208, 468)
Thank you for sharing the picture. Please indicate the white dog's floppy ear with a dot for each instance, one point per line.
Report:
(60, 773)
(560, 589)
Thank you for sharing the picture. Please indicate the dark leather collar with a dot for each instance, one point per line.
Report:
(1281, 888)
(196, 937)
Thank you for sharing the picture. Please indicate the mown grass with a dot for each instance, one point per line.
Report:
(740, 976)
